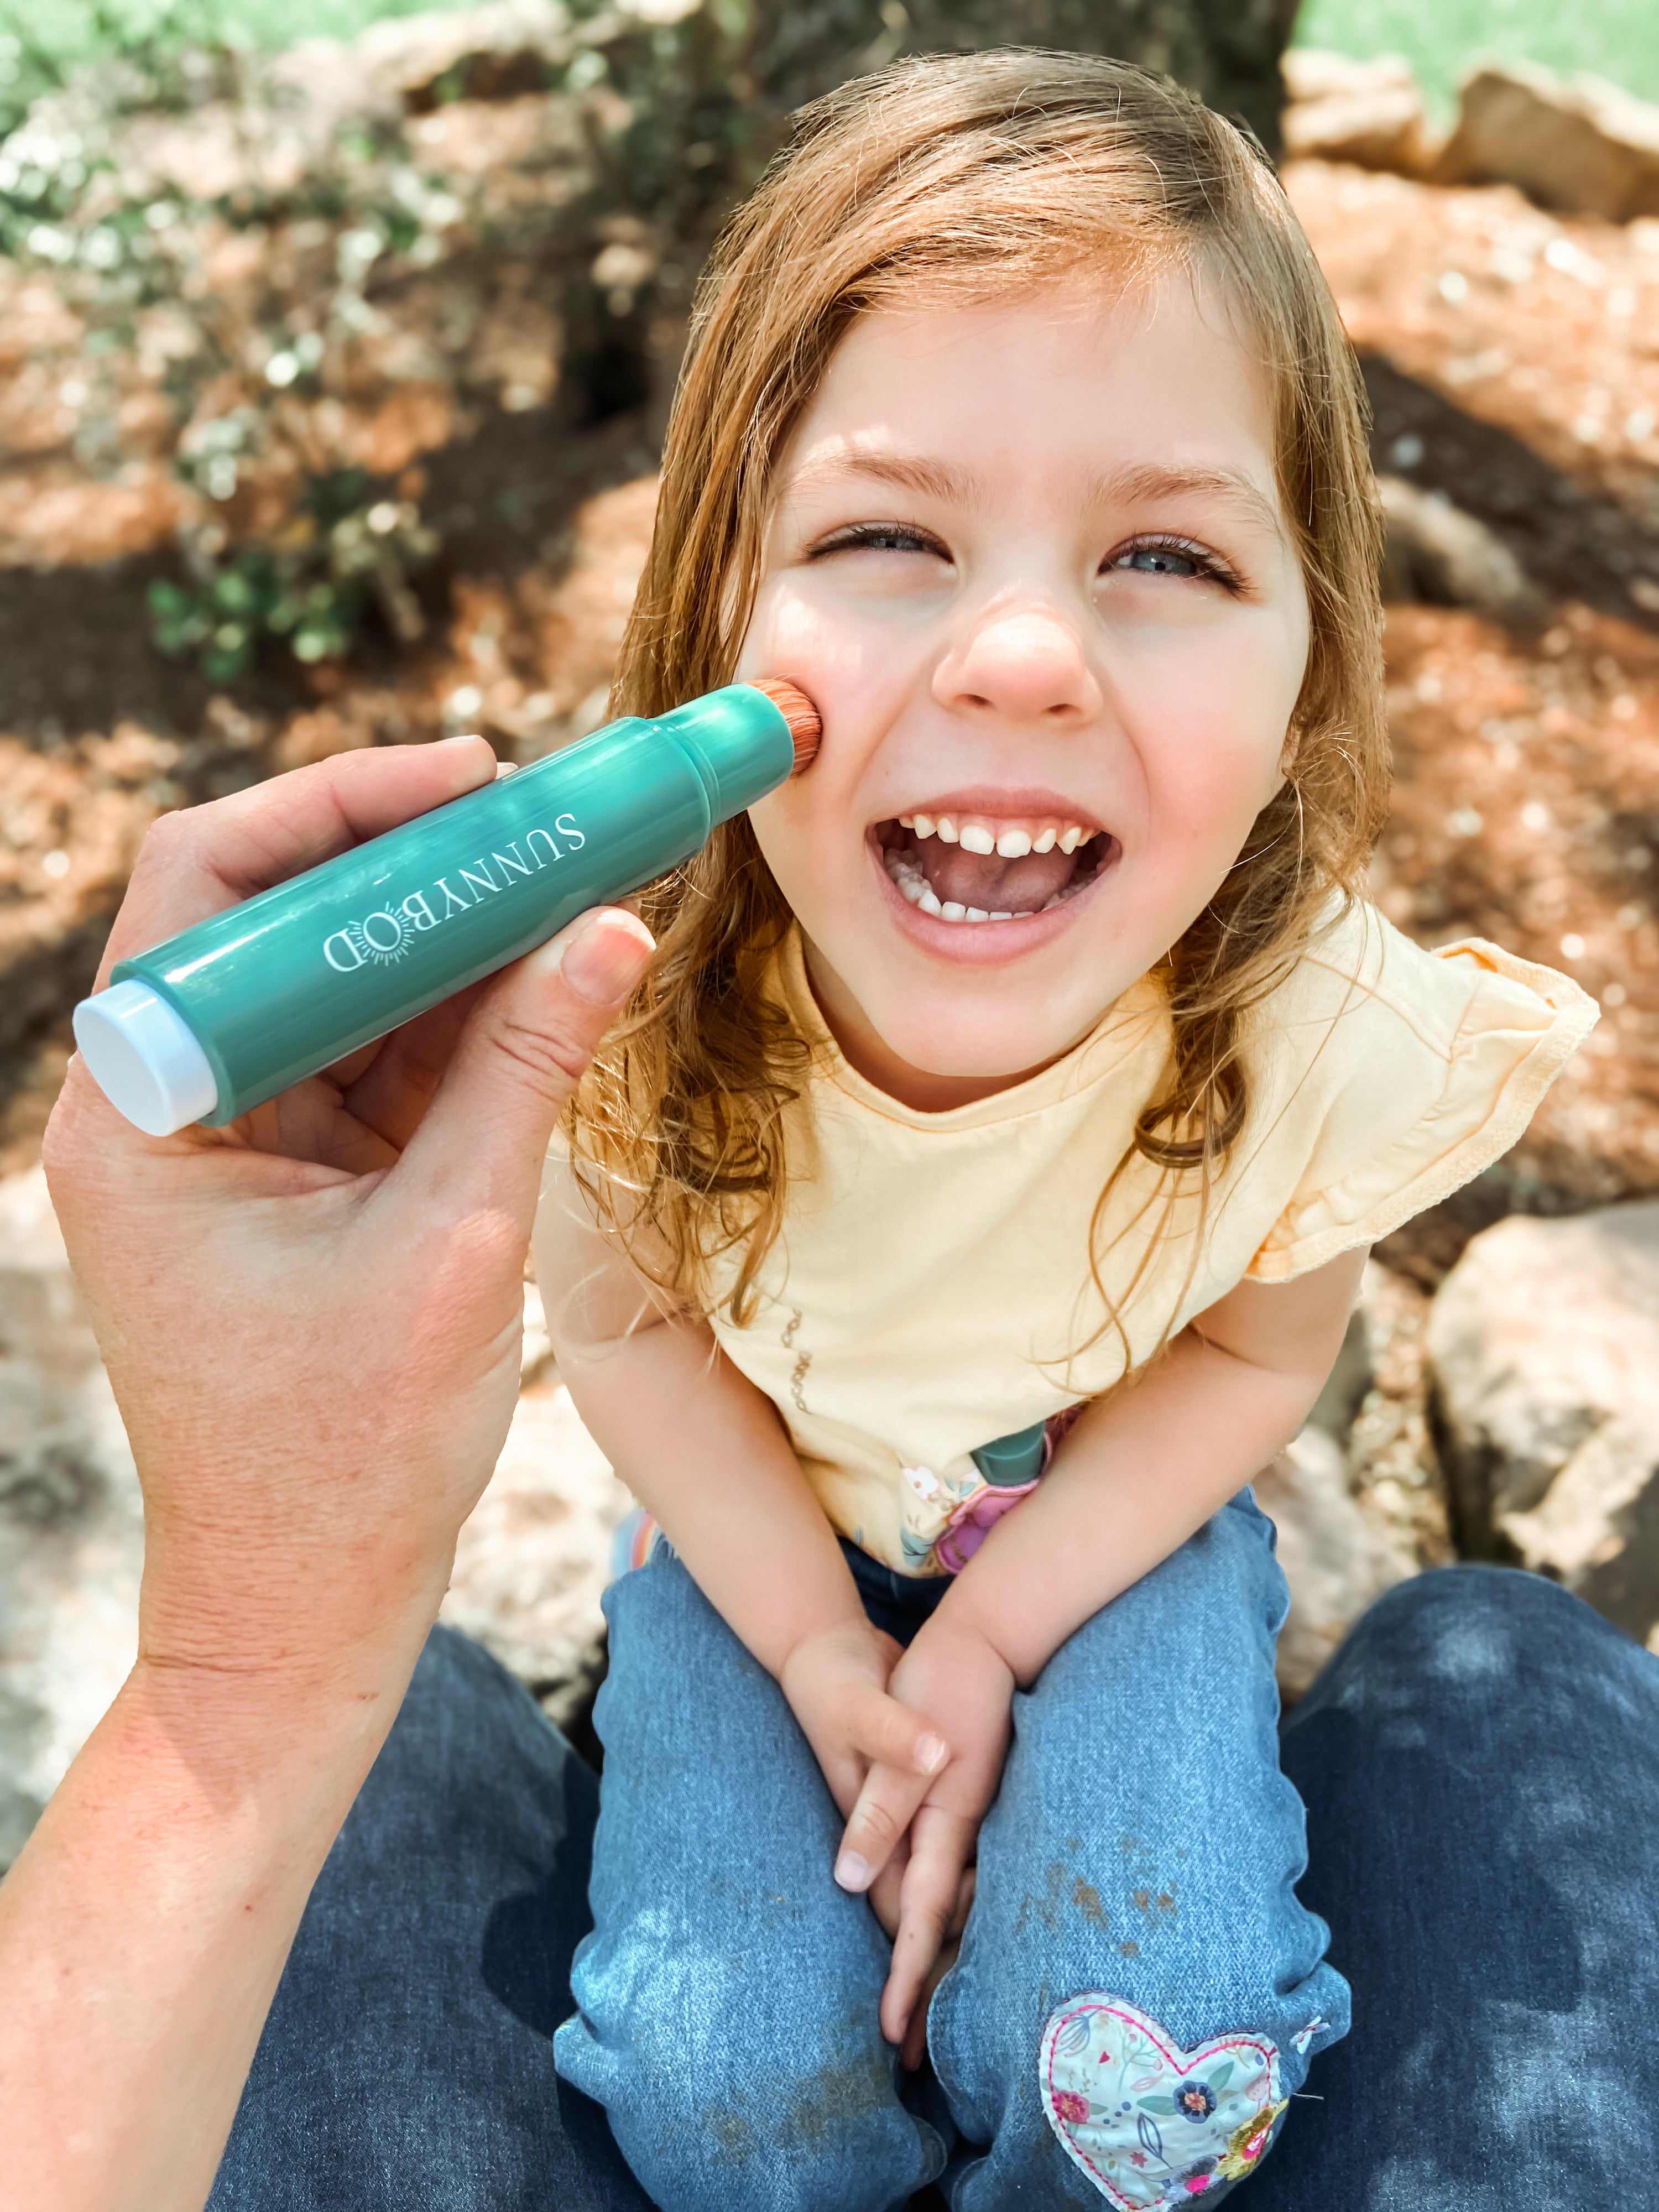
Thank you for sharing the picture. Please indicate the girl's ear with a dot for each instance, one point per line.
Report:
(1290, 751)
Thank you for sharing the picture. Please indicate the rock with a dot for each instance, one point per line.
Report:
(1544, 1346)
(1347, 1384)
(71, 1519)
(1580, 145)
(1335, 1559)
(1436, 552)
(1394, 1471)
(1370, 113)
(535, 1556)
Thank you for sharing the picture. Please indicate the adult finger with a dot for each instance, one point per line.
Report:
(204, 859)
(389, 1089)
(479, 1148)
(940, 1842)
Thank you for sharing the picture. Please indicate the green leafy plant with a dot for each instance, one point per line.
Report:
(349, 552)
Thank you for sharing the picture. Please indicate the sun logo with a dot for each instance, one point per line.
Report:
(379, 940)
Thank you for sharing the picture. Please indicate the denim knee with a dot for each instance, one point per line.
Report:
(1139, 1991)
(728, 1992)
(1452, 1651)
(714, 2114)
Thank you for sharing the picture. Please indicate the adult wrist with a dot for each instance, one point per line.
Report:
(260, 1723)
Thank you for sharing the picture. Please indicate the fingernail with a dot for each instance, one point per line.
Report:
(851, 1871)
(931, 1752)
(602, 965)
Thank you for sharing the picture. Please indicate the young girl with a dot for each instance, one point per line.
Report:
(976, 1196)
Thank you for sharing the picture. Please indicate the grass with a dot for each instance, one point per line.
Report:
(71, 27)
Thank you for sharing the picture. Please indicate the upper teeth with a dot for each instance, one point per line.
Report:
(1011, 843)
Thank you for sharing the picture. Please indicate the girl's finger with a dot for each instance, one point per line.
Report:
(939, 1844)
(914, 2049)
(889, 1734)
(885, 1806)
(964, 1903)
(883, 1893)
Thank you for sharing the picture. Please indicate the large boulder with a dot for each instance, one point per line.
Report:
(1336, 1557)
(1436, 552)
(1577, 144)
(1544, 1344)
(1370, 113)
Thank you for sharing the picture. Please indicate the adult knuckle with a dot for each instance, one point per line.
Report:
(548, 1059)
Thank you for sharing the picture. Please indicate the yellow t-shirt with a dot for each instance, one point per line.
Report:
(931, 1291)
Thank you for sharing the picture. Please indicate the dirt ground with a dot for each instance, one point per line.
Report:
(1513, 362)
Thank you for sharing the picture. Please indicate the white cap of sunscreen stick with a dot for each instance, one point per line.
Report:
(145, 1058)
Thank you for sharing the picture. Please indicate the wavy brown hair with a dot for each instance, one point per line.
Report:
(962, 177)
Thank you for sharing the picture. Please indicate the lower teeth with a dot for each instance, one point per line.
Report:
(914, 885)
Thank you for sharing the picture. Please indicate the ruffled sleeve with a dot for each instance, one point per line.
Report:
(1428, 1067)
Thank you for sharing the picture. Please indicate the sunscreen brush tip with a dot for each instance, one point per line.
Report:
(805, 723)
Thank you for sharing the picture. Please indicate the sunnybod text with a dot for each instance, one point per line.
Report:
(387, 932)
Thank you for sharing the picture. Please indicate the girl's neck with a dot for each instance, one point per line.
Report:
(866, 1053)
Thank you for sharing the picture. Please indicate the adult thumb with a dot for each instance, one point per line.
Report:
(526, 1047)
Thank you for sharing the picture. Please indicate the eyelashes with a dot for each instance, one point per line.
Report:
(1152, 553)
(1165, 555)
(880, 537)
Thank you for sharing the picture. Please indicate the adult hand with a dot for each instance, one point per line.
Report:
(311, 1317)
(311, 1322)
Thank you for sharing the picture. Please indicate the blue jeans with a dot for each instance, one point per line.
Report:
(1138, 1993)
(1480, 1765)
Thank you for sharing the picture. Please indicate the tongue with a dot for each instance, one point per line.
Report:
(988, 881)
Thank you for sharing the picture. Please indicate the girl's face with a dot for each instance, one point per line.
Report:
(1028, 559)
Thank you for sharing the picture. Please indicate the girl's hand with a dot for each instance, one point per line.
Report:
(835, 1680)
(953, 1677)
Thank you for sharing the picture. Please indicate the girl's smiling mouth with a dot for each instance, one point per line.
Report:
(979, 858)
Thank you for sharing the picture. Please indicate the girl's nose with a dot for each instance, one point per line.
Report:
(1021, 664)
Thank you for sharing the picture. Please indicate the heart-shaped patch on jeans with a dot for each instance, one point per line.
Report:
(1150, 2125)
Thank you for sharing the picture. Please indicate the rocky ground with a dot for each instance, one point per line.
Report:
(505, 412)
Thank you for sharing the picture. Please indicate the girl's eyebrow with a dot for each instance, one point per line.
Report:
(1150, 480)
(913, 472)
(1141, 480)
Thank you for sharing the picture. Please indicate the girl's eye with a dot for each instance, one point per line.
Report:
(1168, 556)
(879, 537)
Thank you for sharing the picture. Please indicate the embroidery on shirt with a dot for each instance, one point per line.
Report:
(1150, 2125)
(798, 1374)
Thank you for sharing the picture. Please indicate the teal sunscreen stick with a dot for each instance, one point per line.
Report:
(232, 1011)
